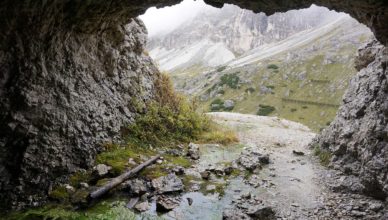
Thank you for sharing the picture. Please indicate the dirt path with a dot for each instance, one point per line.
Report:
(297, 186)
(289, 183)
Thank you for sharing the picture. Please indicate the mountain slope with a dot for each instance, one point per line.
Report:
(300, 76)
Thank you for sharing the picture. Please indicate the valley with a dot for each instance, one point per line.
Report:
(299, 75)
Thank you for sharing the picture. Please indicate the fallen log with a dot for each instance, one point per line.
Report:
(118, 180)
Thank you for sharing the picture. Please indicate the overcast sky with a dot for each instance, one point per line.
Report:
(167, 18)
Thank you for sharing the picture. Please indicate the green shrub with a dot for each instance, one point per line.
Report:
(323, 155)
(293, 110)
(265, 110)
(272, 66)
(231, 80)
(170, 119)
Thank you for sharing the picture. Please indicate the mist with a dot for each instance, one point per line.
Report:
(163, 20)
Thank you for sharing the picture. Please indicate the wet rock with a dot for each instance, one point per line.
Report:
(193, 151)
(132, 202)
(205, 175)
(167, 184)
(219, 171)
(190, 201)
(195, 187)
(142, 206)
(101, 170)
(135, 187)
(251, 159)
(234, 214)
(228, 170)
(178, 170)
(166, 203)
(262, 212)
(264, 159)
(298, 153)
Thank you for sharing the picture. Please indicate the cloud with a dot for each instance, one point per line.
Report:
(164, 20)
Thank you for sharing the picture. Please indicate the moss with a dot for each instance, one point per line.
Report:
(60, 194)
(79, 177)
(155, 171)
(178, 160)
(235, 173)
(101, 211)
(220, 188)
(102, 182)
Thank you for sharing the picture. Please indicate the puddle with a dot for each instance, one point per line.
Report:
(211, 205)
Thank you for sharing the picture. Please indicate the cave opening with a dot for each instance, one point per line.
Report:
(74, 74)
(294, 65)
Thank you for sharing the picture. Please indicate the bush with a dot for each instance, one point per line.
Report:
(169, 119)
(272, 66)
(231, 80)
(293, 110)
(265, 110)
(323, 155)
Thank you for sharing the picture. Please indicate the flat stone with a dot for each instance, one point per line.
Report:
(167, 184)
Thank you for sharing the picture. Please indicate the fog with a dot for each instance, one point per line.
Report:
(163, 20)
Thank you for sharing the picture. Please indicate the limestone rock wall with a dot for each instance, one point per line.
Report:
(358, 137)
(64, 97)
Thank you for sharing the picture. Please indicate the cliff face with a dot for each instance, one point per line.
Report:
(61, 99)
(69, 69)
(215, 36)
(358, 136)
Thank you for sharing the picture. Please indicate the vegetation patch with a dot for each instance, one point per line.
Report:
(323, 155)
(231, 80)
(265, 110)
(272, 66)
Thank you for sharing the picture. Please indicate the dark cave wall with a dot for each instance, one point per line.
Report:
(70, 69)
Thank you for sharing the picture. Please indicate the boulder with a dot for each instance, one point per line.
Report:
(167, 203)
(167, 184)
(229, 104)
(142, 206)
(101, 170)
(135, 187)
(193, 151)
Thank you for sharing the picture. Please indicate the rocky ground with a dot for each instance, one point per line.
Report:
(298, 186)
(270, 174)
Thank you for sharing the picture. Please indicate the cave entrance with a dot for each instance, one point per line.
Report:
(295, 65)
